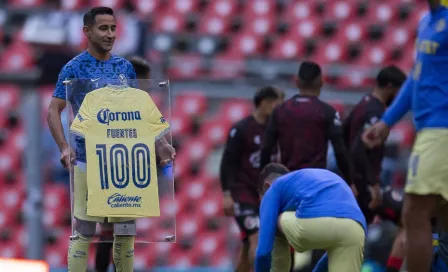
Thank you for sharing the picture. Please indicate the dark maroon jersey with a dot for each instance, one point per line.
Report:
(367, 162)
(240, 165)
(302, 127)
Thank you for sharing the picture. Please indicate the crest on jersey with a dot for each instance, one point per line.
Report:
(251, 222)
(162, 120)
(441, 25)
(257, 139)
(122, 79)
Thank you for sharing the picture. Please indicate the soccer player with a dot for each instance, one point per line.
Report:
(308, 209)
(104, 249)
(98, 65)
(425, 92)
(240, 167)
(366, 162)
(303, 125)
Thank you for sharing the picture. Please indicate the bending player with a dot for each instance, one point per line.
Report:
(240, 168)
(425, 92)
(104, 248)
(326, 217)
(99, 65)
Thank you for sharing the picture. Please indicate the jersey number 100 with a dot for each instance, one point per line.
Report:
(119, 165)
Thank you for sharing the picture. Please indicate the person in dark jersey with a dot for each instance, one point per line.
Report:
(104, 249)
(101, 67)
(303, 125)
(367, 162)
(240, 167)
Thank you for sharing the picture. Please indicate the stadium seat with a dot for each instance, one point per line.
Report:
(287, 47)
(339, 10)
(333, 51)
(298, 11)
(10, 160)
(190, 225)
(213, 24)
(11, 250)
(190, 103)
(307, 28)
(233, 110)
(20, 236)
(222, 8)
(55, 257)
(186, 66)
(17, 139)
(56, 197)
(259, 8)
(373, 55)
(211, 204)
(181, 125)
(209, 243)
(25, 3)
(17, 57)
(170, 22)
(259, 25)
(352, 31)
(229, 65)
(12, 197)
(8, 218)
(215, 130)
(402, 133)
(114, 4)
(354, 78)
(186, 6)
(9, 96)
(146, 7)
(246, 44)
(382, 12)
(72, 4)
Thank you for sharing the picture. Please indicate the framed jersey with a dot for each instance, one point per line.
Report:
(116, 175)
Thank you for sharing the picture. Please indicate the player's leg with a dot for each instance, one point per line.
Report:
(104, 248)
(417, 213)
(123, 247)
(79, 245)
(247, 218)
(347, 250)
(85, 226)
(397, 253)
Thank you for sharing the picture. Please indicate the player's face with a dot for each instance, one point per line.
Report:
(102, 33)
(269, 105)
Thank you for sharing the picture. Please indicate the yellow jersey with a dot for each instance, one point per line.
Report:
(120, 127)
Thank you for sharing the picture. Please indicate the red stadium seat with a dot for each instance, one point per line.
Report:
(195, 191)
(260, 25)
(190, 103)
(9, 160)
(211, 205)
(56, 197)
(287, 47)
(229, 65)
(186, 66)
(181, 165)
(145, 224)
(25, 3)
(8, 218)
(340, 10)
(298, 11)
(381, 12)
(190, 225)
(209, 243)
(17, 139)
(355, 78)
(72, 4)
(260, 8)
(398, 36)
(20, 236)
(185, 6)
(373, 55)
(146, 7)
(12, 197)
(308, 28)
(169, 207)
(114, 4)
(215, 130)
(54, 217)
(333, 51)
(213, 24)
(11, 250)
(9, 96)
(352, 32)
(17, 57)
(55, 257)
(403, 133)
(246, 44)
(234, 110)
(170, 22)
(180, 125)
(223, 8)
(144, 258)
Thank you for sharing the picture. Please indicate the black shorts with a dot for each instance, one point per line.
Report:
(248, 218)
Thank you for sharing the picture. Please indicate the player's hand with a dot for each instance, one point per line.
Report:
(68, 158)
(228, 204)
(375, 135)
(375, 193)
(354, 190)
(167, 153)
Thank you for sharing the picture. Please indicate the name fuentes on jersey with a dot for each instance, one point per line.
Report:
(121, 133)
(105, 116)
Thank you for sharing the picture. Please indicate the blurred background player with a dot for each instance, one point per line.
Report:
(367, 162)
(104, 248)
(240, 168)
(425, 92)
(308, 209)
(303, 125)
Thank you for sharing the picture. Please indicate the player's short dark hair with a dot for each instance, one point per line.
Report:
(309, 71)
(390, 75)
(89, 16)
(141, 66)
(267, 93)
(271, 169)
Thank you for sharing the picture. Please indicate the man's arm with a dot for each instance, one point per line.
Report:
(57, 105)
(401, 105)
(269, 141)
(340, 150)
(269, 212)
(230, 159)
